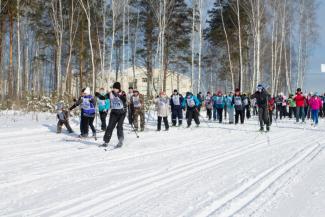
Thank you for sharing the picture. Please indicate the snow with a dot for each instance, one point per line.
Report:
(213, 170)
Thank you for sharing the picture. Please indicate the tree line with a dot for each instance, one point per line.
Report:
(46, 46)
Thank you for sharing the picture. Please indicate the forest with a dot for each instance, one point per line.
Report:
(53, 48)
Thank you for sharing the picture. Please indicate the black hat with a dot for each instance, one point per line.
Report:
(117, 85)
(130, 88)
(175, 91)
(298, 89)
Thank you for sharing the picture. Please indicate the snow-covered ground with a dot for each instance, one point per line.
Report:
(214, 170)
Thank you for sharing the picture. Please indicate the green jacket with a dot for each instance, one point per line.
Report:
(291, 102)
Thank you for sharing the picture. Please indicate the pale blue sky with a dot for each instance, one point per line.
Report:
(315, 80)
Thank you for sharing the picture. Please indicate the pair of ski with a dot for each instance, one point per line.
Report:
(110, 147)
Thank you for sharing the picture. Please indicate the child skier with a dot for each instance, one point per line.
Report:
(191, 104)
(209, 105)
(63, 116)
(103, 108)
(239, 107)
(137, 106)
(315, 104)
(117, 115)
(218, 105)
(162, 105)
(176, 101)
(87, 105)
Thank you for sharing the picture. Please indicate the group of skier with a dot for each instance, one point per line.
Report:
(235, 105)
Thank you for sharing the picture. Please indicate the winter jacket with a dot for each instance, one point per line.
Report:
(229, 102)
(176, 100)
(262, 98)
(291, 102)
(87, 105)
(137, 102)
(218, 102)
(63, 115)
(246, 101)
(300, 100)
(118, 102)
(315, 103)
(190, 102)
(103, 105)
(237, 101)
(162, 106)
(271, 104)
(208, 102)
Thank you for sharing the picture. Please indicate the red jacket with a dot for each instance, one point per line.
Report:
(271, 104)
(300, 100)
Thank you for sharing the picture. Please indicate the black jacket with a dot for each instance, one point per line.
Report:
(262, 98)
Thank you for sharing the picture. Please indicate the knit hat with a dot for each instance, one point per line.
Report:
(298, 89)
(117, 85)
(237, 90)
(87, 91)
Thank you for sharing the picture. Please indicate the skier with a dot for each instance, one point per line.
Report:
(162, 105)
(117, 115)
(176, 101)
(300, 105)
(279, 106)
(315, 104)
(247, 106)
(239, 106)
(200, 97)
(63, 116)
(209, 105)
(130, 112)
(103, 108)
(271, 108)
(230, 107)
(191, 104)
(87, 104)
(218, 105)
(262, 98)
(137, 106)
(292, 106)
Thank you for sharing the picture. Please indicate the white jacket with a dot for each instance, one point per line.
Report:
(162, 106)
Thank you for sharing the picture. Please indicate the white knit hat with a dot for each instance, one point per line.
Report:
(87, 91)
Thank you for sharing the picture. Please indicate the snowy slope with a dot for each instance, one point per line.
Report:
(214, 170)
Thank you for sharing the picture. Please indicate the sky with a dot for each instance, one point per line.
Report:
(315, 79)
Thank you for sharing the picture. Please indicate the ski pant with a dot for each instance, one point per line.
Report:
(292, 112)
(231, 115)
(248, 111)
(165, 122)
(314, 116)
(85, 123)
(177, 113)
(136, 114)
(255, 112)
(280, 110)
(307, 112)
(115, 118)
(270, 117)
(192, 114)
(103, 116)
(263, 116)
(209, 113)
(66, 124)
(225, 110)
(241, 114)
(217, 114)
(300, 113)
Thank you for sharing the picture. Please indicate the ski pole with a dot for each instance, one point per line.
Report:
(136, 133)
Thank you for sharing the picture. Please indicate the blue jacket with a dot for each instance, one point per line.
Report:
(189, 100)
(178, 99)
(218, 102)
(103, 104)
(229, 102)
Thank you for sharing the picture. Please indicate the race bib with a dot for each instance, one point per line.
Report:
(176, 100)
(190, 102)
(116, 103)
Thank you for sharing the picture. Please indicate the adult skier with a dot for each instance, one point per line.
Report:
(103, 108)
(315, 104)
(292, 106)
(137, 106)
(200, 97)
(176, 101)
(262, 98)
(162, 105)
(191, 104)
(218, 105)
(300, 106)
(271, 106)
(247, 106)
(117, 115)
(208, 105)
(130, 112)
(230, 107)
(87, 105)
(239, 107)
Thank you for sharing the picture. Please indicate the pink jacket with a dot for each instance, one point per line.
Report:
(315, 103)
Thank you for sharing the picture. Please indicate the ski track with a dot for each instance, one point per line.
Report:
(208, 149)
